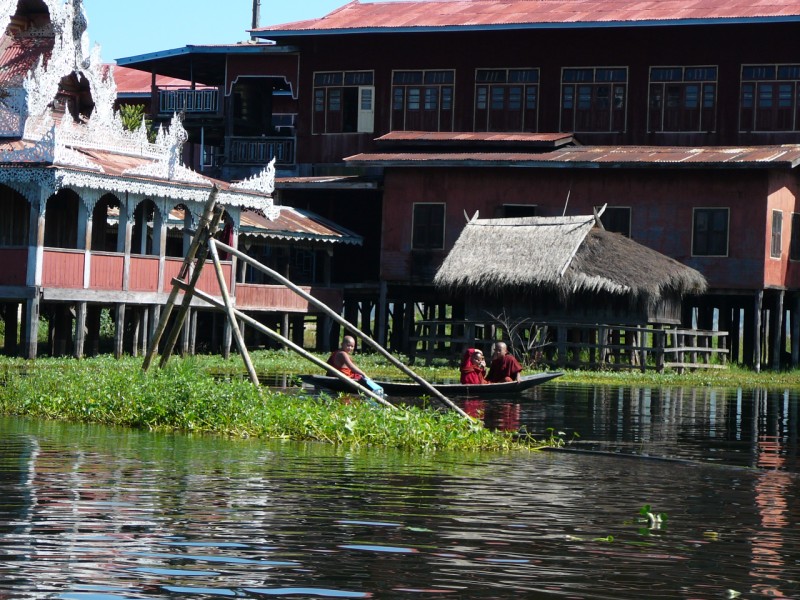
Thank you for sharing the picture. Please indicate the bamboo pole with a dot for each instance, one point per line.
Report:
(226, 298)
(205, 219)
(281, 339)
(326, 309)
(201, 235)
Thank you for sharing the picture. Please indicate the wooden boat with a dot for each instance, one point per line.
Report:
(413, 389)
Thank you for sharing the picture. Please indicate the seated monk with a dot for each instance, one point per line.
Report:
(341, 360)
(473, 367)
(504, 367)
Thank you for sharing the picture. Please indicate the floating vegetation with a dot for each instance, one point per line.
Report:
(185, 396)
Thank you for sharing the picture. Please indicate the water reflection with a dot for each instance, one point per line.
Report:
(92, 513)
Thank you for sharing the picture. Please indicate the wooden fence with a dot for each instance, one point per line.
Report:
(580, 345)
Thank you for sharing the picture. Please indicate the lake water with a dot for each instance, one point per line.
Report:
(95, 513)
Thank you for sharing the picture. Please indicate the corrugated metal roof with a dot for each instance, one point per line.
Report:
(322, 182)
(294, 224)
(478, 14)
(20, 55)
(435, 138)
(778, 156)
(132, 81)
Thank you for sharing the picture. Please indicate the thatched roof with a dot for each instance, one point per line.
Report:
(567, 255)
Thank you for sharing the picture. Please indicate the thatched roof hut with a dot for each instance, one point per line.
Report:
(565, 268)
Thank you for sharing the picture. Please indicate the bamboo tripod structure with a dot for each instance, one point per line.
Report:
(203, 244)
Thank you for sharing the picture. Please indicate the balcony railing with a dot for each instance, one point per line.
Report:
(260, 150)
(188, 101)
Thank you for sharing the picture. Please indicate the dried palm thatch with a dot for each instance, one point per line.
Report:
(565, 255)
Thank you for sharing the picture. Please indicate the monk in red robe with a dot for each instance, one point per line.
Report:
(504, 367)
(473, 367)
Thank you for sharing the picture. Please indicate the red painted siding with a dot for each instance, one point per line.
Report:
(661, 202)
(15, 266)
(105, 272)
(208, 278)
(63, 268)
(281, 299)
(143, 274)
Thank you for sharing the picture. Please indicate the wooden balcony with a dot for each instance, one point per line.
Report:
(260, 150)
(198, 101)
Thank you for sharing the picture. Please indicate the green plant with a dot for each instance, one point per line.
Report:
(653, 520)
(133, 115)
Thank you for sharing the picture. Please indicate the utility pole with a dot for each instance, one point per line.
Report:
(256, 13)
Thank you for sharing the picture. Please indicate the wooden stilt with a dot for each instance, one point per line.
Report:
(80, 331)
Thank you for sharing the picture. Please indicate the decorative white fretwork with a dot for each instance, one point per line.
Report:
(262, 183)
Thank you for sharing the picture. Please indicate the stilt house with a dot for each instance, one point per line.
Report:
(87, 207)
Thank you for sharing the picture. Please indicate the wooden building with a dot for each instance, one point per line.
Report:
(92, 216)
(683, 117)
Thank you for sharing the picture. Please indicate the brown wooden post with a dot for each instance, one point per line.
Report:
(795, 322)
(561, 340)
(119, 330)
(11, 324)
(757, 307)
(777, 332)
(80, 331)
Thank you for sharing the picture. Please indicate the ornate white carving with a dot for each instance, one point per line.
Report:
(12, 113)
(168, 166)
(263, 182)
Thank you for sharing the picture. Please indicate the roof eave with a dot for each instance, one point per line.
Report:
(202, 50)
(269, 34)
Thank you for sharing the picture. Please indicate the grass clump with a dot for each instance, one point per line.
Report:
(185, 397)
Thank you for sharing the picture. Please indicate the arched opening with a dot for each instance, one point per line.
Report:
(61, 220)
(14, 218)
(144, 218)
(105, 224)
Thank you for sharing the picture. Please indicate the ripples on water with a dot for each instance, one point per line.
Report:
(93, 513)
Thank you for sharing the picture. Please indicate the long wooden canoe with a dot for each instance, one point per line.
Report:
(412, 389)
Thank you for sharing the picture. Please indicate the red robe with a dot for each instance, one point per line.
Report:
(473, 375)
(504, 368)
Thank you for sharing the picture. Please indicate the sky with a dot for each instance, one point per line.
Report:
(137, 27)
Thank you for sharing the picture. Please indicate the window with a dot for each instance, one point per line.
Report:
(518, 210)
(794, 243)
(428, 226)
(770, 98)
(710, 232)
(617, 219)
(682, 99)
(506, 99)
(593, 99)
(422, 100)
(777, 227)
(343, 102)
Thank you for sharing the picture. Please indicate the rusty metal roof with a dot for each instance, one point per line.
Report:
(776, 156)
(132, 81)
(295, 224)
(20, 55)
(461, 138)
(356, 17)
(324, 182)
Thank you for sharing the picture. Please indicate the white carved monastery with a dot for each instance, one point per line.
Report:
(92, 215)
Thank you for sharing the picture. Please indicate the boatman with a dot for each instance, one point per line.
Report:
(343, 362)
(504, 367)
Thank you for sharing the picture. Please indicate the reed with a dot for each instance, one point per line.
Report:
(184, 396)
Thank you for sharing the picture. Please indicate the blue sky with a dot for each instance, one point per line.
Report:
(142, 26)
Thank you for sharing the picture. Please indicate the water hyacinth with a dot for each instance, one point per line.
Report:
(185, 397)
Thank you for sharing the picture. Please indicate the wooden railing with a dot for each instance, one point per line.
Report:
(260, 150)
(281, 299)
(188, 100)
(582, 346)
